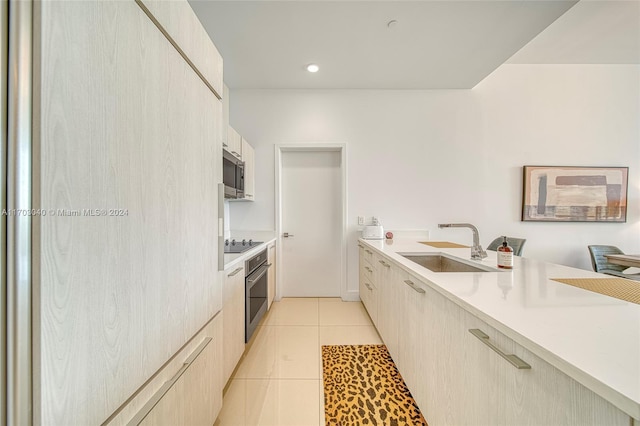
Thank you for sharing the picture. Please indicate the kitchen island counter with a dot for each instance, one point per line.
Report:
(593, 338)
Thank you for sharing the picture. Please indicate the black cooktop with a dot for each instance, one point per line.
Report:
(234, 246)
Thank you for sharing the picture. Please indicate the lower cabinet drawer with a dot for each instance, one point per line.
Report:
(193, 396)
(369, 297)
(368, 271)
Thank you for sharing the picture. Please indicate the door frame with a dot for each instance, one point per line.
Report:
(311, 147)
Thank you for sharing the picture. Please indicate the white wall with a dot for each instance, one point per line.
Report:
(417, 158)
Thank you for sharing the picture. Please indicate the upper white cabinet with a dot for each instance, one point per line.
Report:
(248, 155)
(234, 142)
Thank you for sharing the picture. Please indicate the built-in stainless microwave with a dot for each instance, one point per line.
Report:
(232, 175)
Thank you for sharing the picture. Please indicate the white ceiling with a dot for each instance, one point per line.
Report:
(435, 44)
(592, 32)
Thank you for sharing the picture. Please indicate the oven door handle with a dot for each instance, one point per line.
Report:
(255, 276)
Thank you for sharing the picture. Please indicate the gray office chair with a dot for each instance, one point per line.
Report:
(601, 264)
(515, 243)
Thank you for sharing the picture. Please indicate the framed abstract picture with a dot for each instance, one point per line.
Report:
(574, 194)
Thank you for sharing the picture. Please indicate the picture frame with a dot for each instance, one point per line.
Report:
(574, 194)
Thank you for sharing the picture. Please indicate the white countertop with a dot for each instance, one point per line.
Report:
(231, 259)
(592, 338)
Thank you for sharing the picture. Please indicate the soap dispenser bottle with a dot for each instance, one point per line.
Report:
(505, 255)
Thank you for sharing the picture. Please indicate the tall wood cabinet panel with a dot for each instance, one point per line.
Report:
(234, 318)
(183, 26)
(125, 269)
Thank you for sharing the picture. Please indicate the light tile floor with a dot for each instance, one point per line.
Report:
(279, 380)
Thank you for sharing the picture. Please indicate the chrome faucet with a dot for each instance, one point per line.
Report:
(477, 253)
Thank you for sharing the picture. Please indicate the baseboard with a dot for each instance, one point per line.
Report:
(351, 296)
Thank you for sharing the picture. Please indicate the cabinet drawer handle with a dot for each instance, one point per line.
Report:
(224, 145)
(385, 264)
(235, 272)
(413, 286)
(513, 359)
(368, 269)
(360, 245)
(248, 195)
(146, 409)
(367, 286)
(368, 251)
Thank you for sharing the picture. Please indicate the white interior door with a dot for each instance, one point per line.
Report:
(311, 215)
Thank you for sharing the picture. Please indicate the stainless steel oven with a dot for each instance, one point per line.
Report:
(255, 291)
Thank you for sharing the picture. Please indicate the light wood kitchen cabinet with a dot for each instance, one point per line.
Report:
(271, 279)
(193, 396)
(368, 291)
(456, 378)
(442, 353)
(412, 358)
(475, 385)
(387, 315)
(248, 156)
(543, 395)
(234, 140)
(234, 319)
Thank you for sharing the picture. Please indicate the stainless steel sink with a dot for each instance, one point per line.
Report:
(440, 262)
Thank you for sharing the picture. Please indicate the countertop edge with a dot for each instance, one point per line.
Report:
(245, 255)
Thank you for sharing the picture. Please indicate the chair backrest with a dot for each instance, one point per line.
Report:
(515, 243)
(600, 262)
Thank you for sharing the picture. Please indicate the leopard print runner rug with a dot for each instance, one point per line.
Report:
(362, 386)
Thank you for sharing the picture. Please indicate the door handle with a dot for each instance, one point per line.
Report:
(513, 359)
(287, 235)
(234, 273)
(413, 286)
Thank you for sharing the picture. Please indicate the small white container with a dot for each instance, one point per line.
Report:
(373, 232)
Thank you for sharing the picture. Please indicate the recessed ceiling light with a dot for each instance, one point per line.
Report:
(313, 68)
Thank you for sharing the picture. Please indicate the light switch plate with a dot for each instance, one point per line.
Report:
(360, 220)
